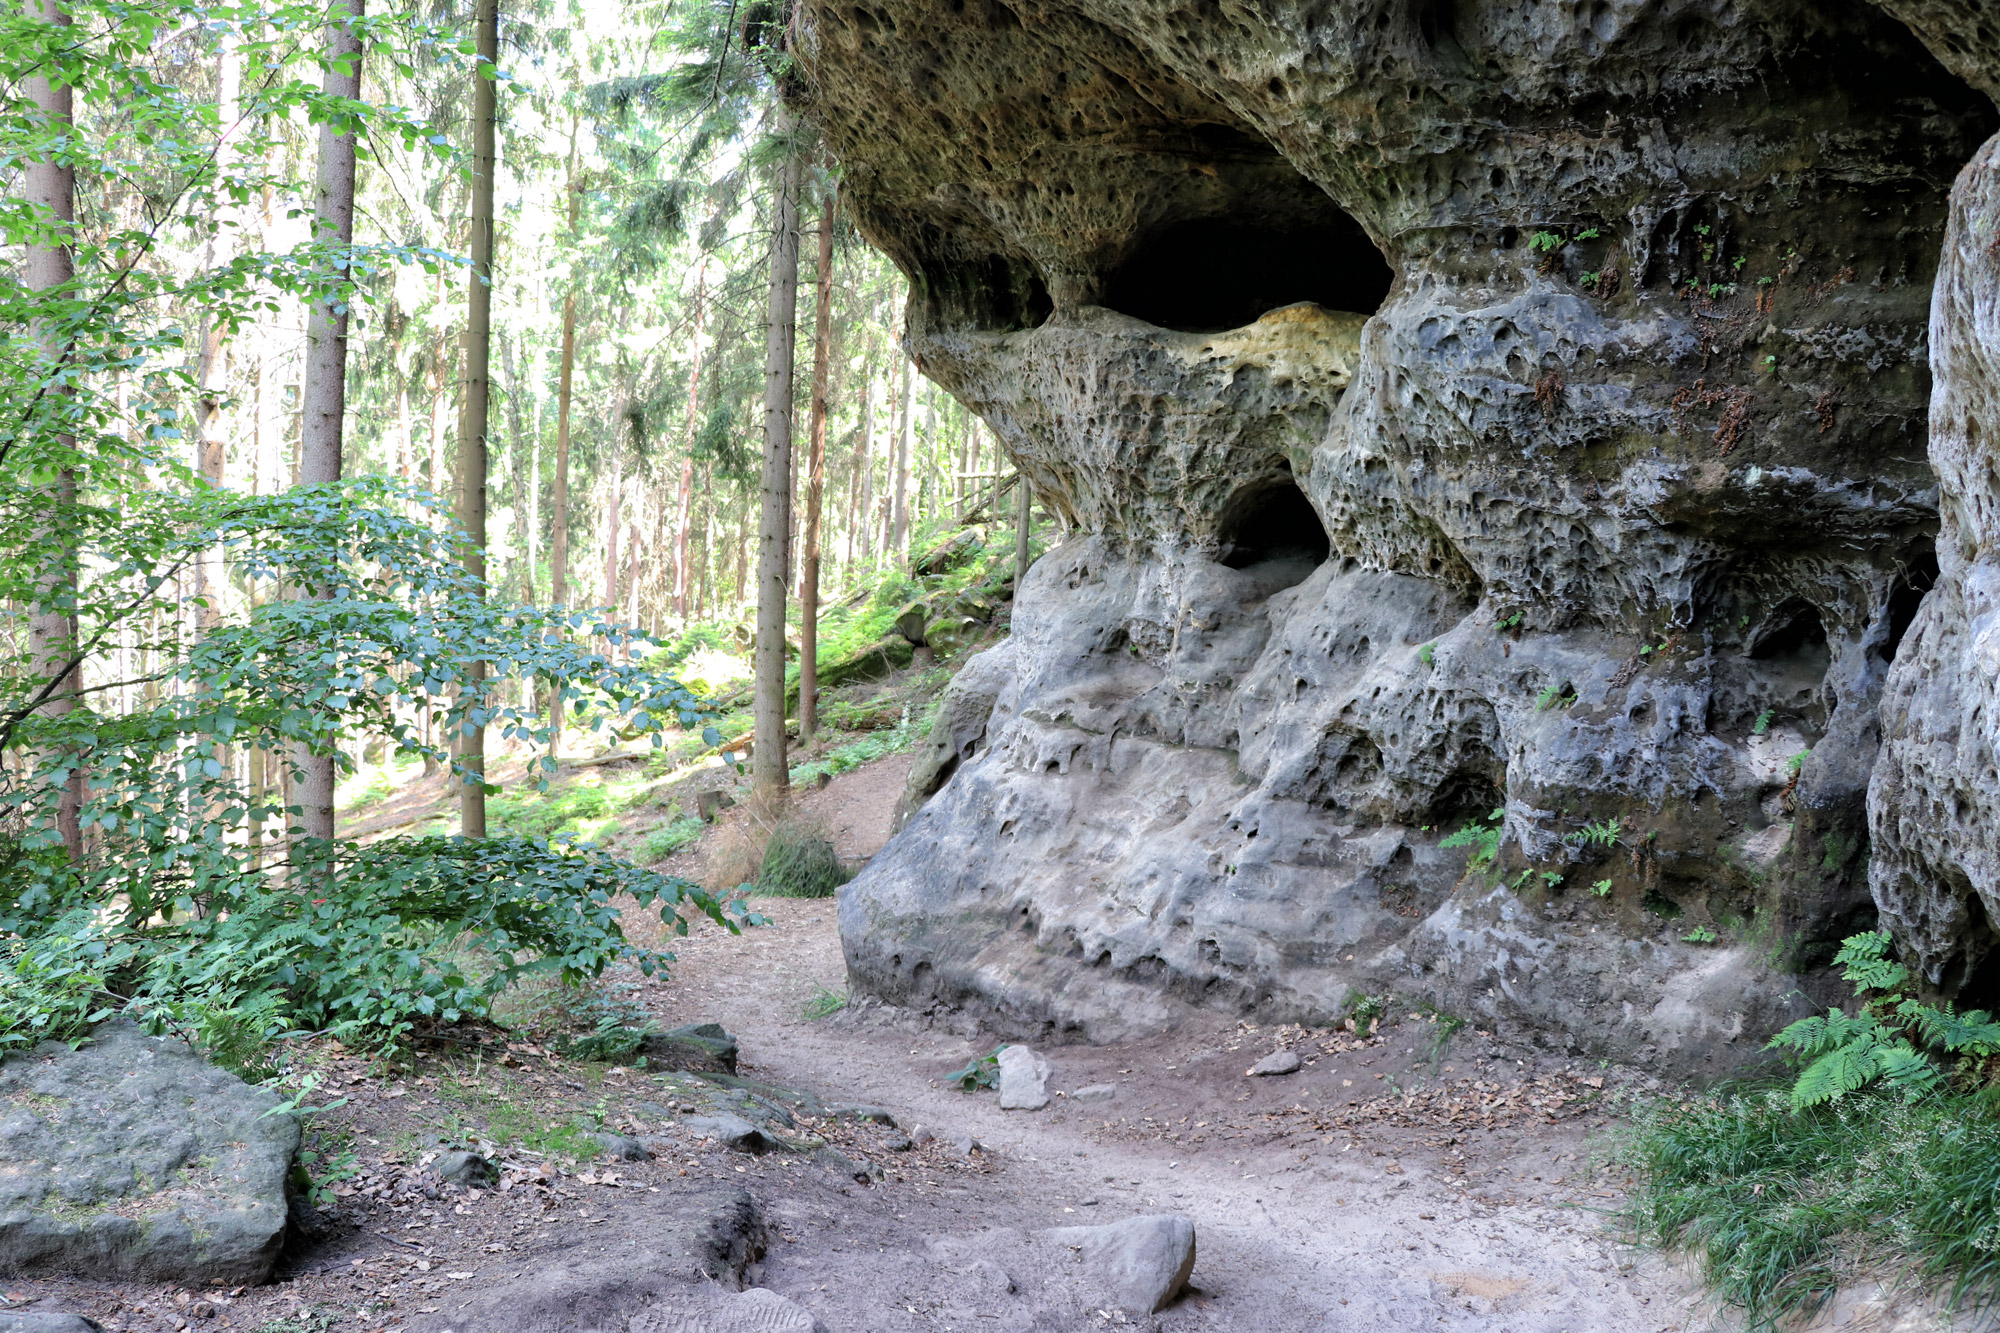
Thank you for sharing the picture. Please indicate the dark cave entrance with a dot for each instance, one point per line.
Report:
(1271, 521)
(1216, 273)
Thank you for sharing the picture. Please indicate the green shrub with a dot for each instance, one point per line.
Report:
(1878, 1043)
(799, 862)
(1484, 839)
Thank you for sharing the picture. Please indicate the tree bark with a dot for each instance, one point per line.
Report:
(475, 408)
(906, 431)
(769, 775)
(211, 444)
(559, 501)
(815, 482)
(686, 499)
(325, 394)
(860, 490)
(52, 628)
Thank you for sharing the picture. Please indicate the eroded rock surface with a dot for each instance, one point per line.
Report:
(1935, 801)
(1456, 408)
(135, 1158)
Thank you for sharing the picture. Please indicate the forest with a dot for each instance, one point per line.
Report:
(384, 384)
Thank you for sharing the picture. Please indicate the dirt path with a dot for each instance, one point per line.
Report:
(1322, 1200)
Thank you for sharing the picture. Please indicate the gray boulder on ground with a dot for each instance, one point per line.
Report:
(753, 1311)
(1139, 1264)
(1136, 1266)
(621, 1147)
(134, 1158)
(696, 1240)
(1277, 1062)
(1096, 1092)
(732, 1131)
(466, 1168)
(37, 1321)
(1024, 1078)
(696, 1047)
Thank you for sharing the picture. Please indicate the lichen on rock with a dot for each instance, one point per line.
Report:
(132, 1157)
(1455, 408)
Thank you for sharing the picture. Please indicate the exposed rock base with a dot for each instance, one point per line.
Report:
(1456, 408)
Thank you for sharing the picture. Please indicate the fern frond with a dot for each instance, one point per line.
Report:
(1906, 1069)
(1835, 1074)
(1864, 960)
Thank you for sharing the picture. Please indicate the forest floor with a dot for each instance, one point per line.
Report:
(1422, 1176)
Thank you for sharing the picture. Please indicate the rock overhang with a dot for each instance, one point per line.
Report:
(1635, 431)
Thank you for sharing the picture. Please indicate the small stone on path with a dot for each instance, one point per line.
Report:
(1024, 1078)
(1277, 1062)
(1096, 1092)
(466, 1168)
(1142, 1262)
(37, 1321)
(620, 1147)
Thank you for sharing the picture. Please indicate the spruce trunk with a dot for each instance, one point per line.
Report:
(325, 394)
(815, 483)
(769, 777)
(474, 408)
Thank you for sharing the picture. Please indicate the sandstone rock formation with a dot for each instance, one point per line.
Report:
(1456, 408)
(135, 1158)
(1934, 805)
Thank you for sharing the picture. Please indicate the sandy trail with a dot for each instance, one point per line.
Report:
(1506, 1229)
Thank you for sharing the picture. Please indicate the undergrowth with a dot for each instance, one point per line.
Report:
(1882, 1155)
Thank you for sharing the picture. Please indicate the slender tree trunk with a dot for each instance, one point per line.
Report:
(517, 458)
(52, 629)
(559, 501)
(211, 443)
(906, 433)
(769, 775)
(815, 482)
(325, 395)
(859, 491)
(475, 410)
(611, 531)
(1023, 502)
(686, 498)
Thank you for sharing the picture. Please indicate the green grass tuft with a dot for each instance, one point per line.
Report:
(1781, 1207)
(800, 863)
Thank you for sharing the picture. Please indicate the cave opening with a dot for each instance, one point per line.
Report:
(1205, 275)
(1905, 596)
(1798, 633)
(1271, 521)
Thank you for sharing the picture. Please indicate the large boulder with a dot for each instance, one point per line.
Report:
(132, 1157)
(1455, 408)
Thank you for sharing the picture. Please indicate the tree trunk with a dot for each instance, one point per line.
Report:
(860, 491)
(769, 776)
(906, 432)
(686, 499)
(559, 501)
(324, 400)
(52, 629)
(815, 482)
(474, 411)
(211, 444)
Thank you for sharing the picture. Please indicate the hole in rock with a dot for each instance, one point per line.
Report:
(1905, 596)
(1795, 632)
(1981, 986)
(1210, 274)
(1272, 521)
